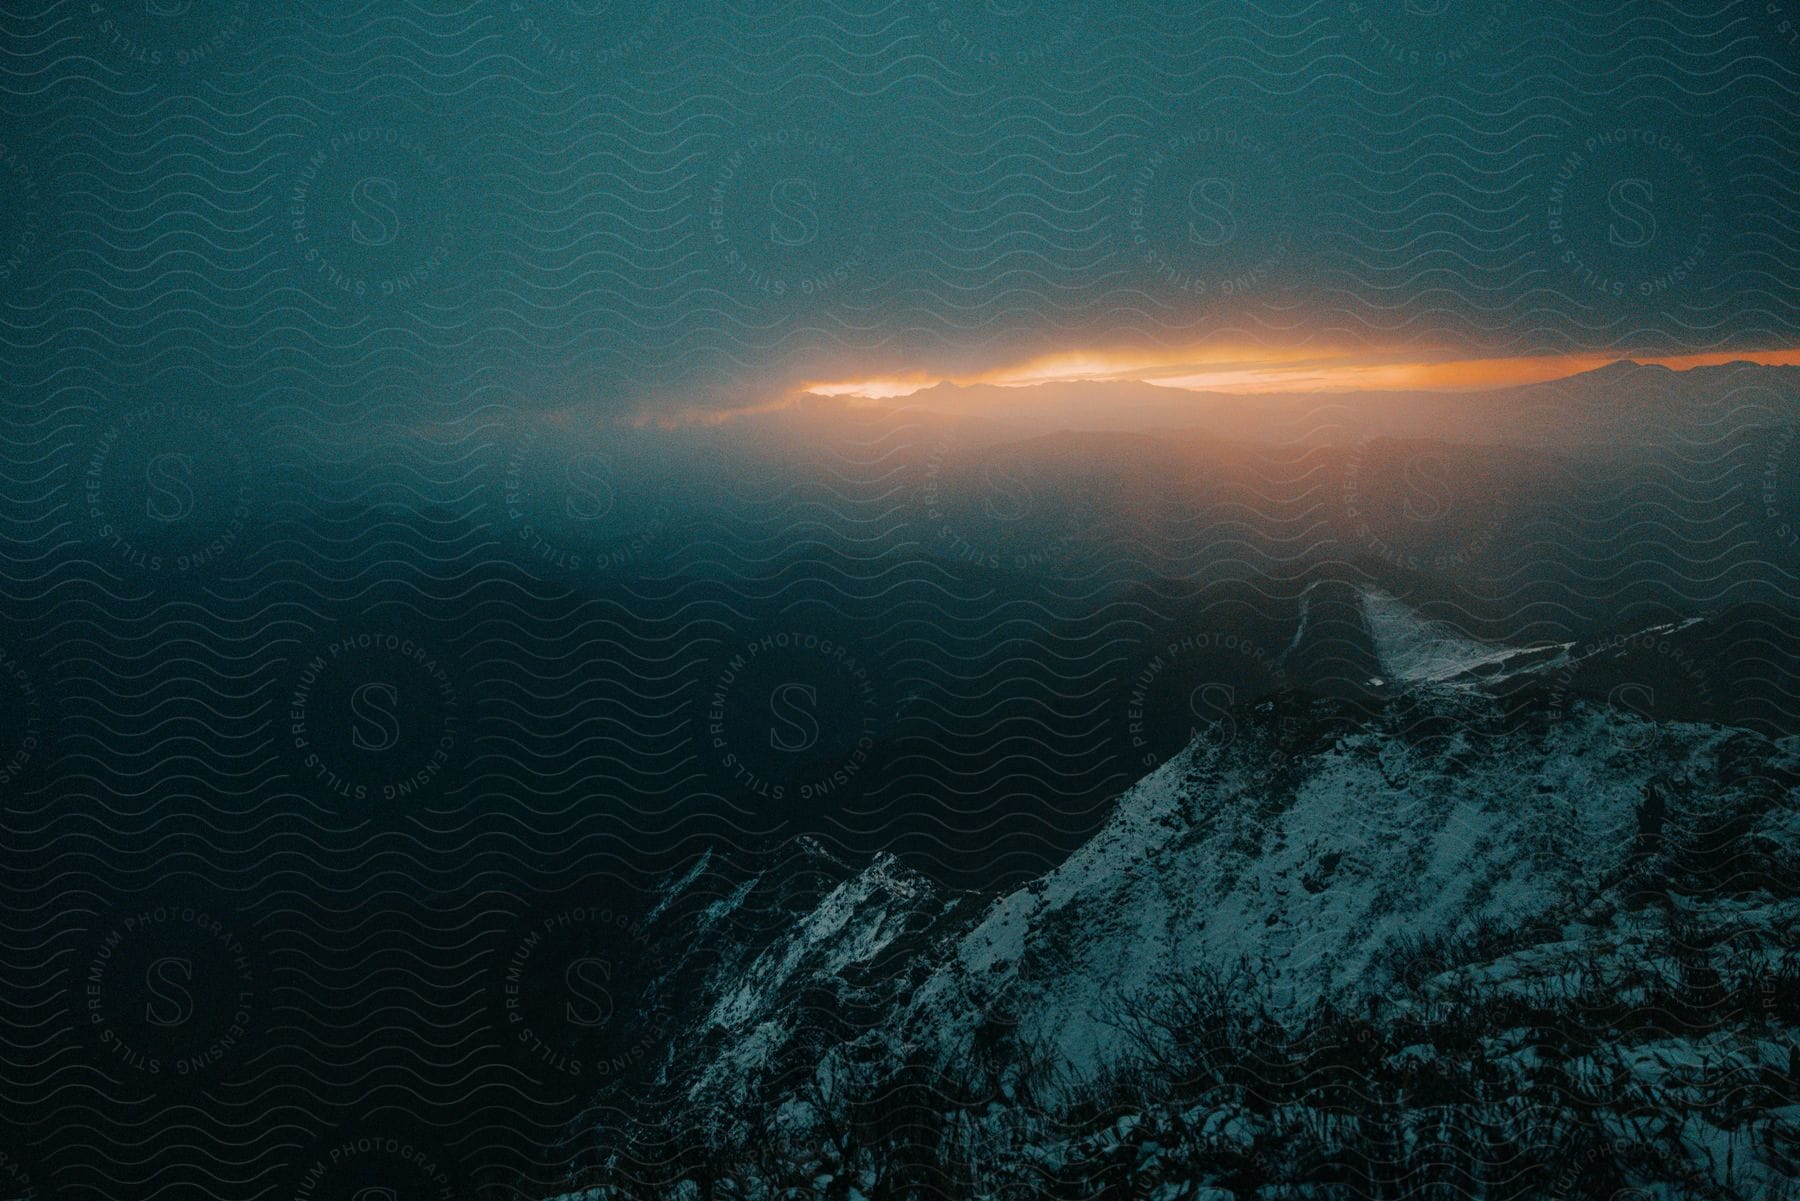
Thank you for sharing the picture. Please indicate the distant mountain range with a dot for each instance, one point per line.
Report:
(1624, 403)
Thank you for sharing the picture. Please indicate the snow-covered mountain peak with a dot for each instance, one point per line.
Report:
(1310, 854)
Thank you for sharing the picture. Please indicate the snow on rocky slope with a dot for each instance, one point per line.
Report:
(1312, 844)
(1414, 649)
(1305, 840)
(1304, 849)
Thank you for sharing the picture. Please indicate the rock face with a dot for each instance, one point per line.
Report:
(1475, 828)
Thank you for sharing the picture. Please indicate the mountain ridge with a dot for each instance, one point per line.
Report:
(1335, 852)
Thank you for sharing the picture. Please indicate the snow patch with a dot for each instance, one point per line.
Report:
(1415, 649)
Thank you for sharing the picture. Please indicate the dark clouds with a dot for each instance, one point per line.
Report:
(392, 206)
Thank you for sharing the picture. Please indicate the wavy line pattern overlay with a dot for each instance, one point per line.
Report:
(452, 666)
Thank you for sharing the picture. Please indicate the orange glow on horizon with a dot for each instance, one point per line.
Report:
(1261, 370)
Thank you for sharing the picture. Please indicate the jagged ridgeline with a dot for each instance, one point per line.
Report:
(1491, 928)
